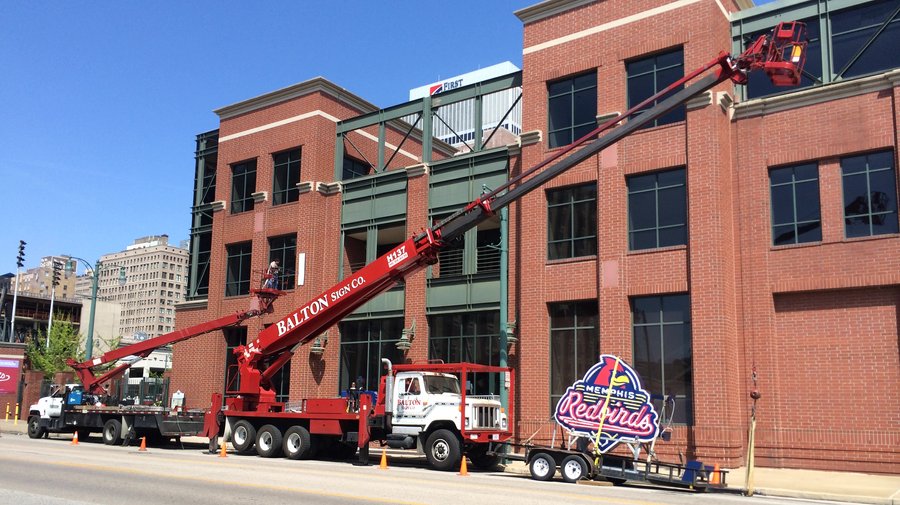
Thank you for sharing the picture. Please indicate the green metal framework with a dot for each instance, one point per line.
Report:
(202, 214)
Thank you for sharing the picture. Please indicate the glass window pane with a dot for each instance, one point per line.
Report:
(853, 164)
(584, 247)
(585, 107)
(588, 80)
(884, 223)
(804, 172)
(642, 210)
(560, 138)
(673, 58)
(562, 362)
(640, 88)
(560, 112)
(672, 206)
(559, 87)
(784, 234)
(560, 225)
(809, 232)
(646, 309)
(808, 201)
(641, 182)
(643, 240)
(882, 183)
(856, 198)
(781, 175)
(648, 357)
(783, 204)
(676, 308)
(672, 236)
(670, 177)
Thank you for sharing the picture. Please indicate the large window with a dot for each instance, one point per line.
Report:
(237, 278)
(284, 249)
(363, 344)
(865, 39)
(286, 176)
(796, 217)
(650, 75)
(870, 194)
(572, 108)
(657, 210)
(574, 344)
(661, 326)
(572, 222)
(243, 184)
(472, 337)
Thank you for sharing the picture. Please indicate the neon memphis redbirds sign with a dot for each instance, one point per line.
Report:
(629, 417)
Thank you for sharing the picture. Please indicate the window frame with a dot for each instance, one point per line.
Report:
(867, 171)
(286, 254)
(687, 403)
(582, 128)
(287, 172)
(242, 192)
(571, 205)
(795, 203)
(577, 307)
(656, 190)
(677, 114)
(240, 286)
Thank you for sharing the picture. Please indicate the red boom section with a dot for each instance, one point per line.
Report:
(262, 304)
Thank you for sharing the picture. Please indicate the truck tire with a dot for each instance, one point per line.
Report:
(542, 466)
(443, 450)
(243, 436)
(296, 443)
(573, 469)
(268, 441)
(112, 432)
(35, 430)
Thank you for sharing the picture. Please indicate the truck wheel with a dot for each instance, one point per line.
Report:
(443, 450)
(542, 466)
(35, 430)
(296, 443)
(243, 437)
(573, 469)
(112, 432)
(268, 441)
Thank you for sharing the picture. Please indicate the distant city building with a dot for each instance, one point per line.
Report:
(155, 277)
(453, 123)
(38, 280)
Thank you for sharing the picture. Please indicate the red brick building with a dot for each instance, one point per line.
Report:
(751, 234)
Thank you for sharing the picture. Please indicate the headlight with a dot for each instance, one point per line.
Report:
(503, 422)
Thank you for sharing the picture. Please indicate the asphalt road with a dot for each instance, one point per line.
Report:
(54, 472)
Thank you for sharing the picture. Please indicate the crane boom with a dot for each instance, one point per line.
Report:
(781, 54)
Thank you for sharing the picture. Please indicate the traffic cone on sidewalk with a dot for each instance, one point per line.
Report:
(716, 477)
(223, 453)
(75, 439)
(143, 444)
(383, 464)
(462, 467)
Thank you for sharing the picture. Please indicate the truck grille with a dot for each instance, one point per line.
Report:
(483, 417)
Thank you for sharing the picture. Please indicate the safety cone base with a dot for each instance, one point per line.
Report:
(463, 470)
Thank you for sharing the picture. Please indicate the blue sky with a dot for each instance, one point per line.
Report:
(102, 100)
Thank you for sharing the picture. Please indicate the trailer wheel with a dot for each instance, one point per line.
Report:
(573, 469)
(443, 450)
(243, 437)
(542, 466)
(296, 443)
(112, 432)
(268, 441)
(35, 430)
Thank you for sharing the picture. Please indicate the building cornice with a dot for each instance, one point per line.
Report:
(816, 95)
(314, 85)
(547, 9)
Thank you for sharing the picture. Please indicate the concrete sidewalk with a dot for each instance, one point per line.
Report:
(807, 484)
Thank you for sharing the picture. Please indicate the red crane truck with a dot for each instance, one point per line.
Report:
(445, 425)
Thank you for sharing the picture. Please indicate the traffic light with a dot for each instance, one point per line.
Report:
(57, 267)
(20, 259)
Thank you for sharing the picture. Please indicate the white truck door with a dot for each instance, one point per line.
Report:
(410, 404)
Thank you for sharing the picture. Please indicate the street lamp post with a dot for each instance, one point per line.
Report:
(95, 280)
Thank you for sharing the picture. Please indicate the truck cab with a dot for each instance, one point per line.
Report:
(428, 411)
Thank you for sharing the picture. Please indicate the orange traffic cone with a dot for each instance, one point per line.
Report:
(462, 467)
(223, 453)
(75, 439)
(143, 444)
(716, 477)
(383, 464)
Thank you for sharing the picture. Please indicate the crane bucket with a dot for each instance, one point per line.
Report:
(786, 54)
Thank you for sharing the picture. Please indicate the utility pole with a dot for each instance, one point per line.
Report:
(20, 262)
(53, 283)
